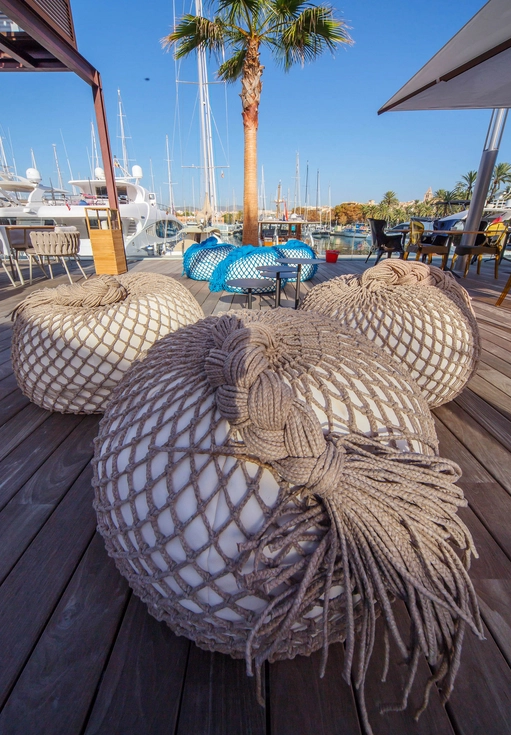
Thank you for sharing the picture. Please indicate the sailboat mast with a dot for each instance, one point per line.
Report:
(3, 158)
(307, 192)
(67, 160)
(59, 173)
(297, 199)
(317, 197)
(95, 156)
(205, 122)
(152, 175)
(169, 176)
(125, 160)
(12, 153)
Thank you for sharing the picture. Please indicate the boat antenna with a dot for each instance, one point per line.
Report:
(297, 198)
(169, 176)
(34, 164)
(152, 175)
(59, 172)
(3, 158)
(12, 152)
(68, 162)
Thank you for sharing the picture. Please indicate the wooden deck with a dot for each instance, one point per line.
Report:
(79, 654)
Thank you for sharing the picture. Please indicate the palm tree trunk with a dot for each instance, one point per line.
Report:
(250, 96)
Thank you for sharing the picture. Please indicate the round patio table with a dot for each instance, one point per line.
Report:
(299, 261)
(280, 271)
(248, 285)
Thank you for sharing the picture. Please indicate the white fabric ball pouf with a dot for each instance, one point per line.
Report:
(72, 344)
(418, 313)
(251, 464)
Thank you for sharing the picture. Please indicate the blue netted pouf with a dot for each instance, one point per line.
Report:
(242, 262)
(200, 260)
(300, 249)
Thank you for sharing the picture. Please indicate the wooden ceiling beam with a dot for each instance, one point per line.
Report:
(26, 18)
(16, 53)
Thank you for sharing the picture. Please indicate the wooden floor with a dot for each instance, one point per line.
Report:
(79, 654)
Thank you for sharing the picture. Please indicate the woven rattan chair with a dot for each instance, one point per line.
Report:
(16, 243)
(59, 245)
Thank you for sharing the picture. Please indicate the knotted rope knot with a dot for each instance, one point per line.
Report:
(276, 427)
(403, 273)
(98, 291)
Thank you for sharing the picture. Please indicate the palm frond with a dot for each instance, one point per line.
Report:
(242, 12)
(314, 31)
(232, 69)
(194, 31)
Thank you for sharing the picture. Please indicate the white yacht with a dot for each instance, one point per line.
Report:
(21, 197)
(149, 229)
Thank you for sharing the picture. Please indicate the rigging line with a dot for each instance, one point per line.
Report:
(219, 140)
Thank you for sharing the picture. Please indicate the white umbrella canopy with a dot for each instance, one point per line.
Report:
(472, 71)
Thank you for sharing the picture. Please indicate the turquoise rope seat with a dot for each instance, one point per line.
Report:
(301, 249)
(201, 259)
(242, 262)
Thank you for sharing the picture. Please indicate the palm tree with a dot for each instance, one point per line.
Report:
(445, 198)
(465, 187)
(292, 30)
(390, 199)
(501, 176)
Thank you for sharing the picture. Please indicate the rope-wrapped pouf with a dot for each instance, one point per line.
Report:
(268, 484)
(242, 262)
(72, 344)
(418, 313)
(293, 248)
(201, 259)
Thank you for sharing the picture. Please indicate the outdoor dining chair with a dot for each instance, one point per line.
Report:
(383, 242)
(491, 241)
(57, 245)
(426, 247)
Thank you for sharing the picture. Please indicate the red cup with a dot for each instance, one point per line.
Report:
(331, 256)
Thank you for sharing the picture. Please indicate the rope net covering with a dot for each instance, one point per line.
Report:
(72, 344)
(418, 313)
(200, 260)
(293, 248)
(242, 262)
(269, 483)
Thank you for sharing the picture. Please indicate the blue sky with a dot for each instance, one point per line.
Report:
(326, 111)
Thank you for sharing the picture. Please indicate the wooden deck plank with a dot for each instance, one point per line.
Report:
(27, 511)
(219, 698)
(16, 428)
(32, 590)
(57, 685)
(492, 395)
(493, 421)
(379, 694)
(11, 405)
(302, 702)
(149, 660)
(481, 444)
(22, 462)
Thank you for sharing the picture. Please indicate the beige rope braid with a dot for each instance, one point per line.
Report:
(418, 313)
(183, 459)
(72, 344)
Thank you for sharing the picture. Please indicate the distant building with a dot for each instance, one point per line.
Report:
(428, 196)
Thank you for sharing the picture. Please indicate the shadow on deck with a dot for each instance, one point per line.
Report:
(80, 654)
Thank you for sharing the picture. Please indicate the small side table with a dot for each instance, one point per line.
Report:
(249, 285)
(298, 261)
(279, 271)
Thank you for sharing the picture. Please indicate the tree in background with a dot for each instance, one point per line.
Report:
(500, 177)
(347, 213)
(293, 31)
(465, 187)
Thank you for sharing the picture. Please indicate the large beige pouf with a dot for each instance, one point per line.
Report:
(72, 344)
(418, 313)
(268, 484)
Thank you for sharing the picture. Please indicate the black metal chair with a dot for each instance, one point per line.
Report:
(383, 242)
